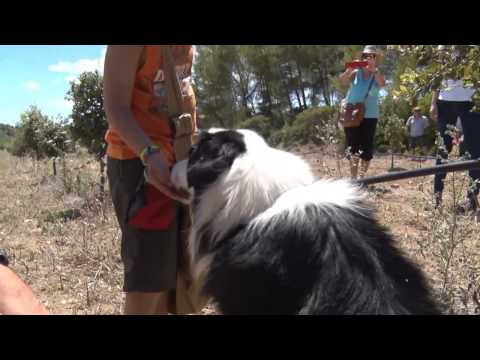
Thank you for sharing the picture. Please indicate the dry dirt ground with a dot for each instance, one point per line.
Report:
(65, 243)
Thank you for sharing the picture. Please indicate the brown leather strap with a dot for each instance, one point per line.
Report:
(181, 121)
(174, 93)
(186, 298)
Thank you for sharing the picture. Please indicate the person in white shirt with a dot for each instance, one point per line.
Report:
(454, 101)
(416, 125)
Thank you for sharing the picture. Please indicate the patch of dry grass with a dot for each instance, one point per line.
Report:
(73, 265)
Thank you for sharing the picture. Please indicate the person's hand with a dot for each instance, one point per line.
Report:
(349, 71)
(157, 173)
(434, 112)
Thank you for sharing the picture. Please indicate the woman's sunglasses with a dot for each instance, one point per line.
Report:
(367, 56)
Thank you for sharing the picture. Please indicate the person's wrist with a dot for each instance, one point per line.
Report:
(147, 153)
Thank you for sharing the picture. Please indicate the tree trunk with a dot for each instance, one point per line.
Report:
(266, 99)
(287, 95)
(287, 84)
(298, 98)
(302, 89)
(326, 89)
(245, 104)
(326, 96)
(54, 166)
(300, 84)
(313, 96)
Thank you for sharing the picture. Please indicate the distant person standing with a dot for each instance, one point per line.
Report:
(364, 87)
(416, 125)
(453, 102)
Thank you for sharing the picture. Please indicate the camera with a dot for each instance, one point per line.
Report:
(356, 64)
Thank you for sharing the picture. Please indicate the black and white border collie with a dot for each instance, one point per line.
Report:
(269, 239)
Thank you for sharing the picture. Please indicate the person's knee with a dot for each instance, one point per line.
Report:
(366, 156)
(140, 303)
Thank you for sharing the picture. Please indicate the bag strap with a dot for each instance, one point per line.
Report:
(174, 93)
(180, 120)
(369, 87)
(368, 91)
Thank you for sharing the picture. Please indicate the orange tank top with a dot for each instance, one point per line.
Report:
(149, 101)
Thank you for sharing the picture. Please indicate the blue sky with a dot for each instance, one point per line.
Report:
(40, 74)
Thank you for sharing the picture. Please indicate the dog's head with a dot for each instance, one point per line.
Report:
(210, 158)
(233, 175)
(239, 167)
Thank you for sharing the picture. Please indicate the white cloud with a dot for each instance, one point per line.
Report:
(31, 85)
(75, 67)
(71, 78)
(79, 66)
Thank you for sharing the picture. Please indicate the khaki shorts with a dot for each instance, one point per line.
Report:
(149, 256)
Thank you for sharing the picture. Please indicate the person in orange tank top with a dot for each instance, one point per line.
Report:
(140, 138)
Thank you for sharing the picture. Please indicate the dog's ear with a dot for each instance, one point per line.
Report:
(205, 172)
(232, 145)
(230, 150)
(215, 155)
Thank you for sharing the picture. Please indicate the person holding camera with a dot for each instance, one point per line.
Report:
(365, 81)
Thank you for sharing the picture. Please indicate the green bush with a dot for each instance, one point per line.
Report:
(260, 124)
(5, 144)
(39, 136)
(309, 126)
(7, 133)
(89, 124)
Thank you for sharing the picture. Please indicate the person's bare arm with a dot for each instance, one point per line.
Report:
(16, 298)
(121, 64)
(380, 79)
(347, 76)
